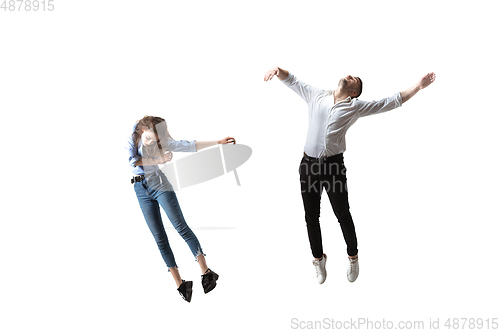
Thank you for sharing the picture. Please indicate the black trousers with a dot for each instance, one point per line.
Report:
(330, 174)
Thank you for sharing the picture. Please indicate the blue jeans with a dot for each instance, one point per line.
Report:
(153, 192)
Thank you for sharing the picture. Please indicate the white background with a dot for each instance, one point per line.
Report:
(76, 254)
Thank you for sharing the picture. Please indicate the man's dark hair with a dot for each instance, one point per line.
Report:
(360, 88)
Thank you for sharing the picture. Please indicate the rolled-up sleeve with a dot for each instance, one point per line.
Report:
(304, 90)
(182, 146)
(375, 107)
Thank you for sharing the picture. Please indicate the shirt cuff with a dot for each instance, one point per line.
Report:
(192, 146)
(134, 160)
(399, 99)
(289, 79)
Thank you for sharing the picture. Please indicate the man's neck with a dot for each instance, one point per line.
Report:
(339, 95)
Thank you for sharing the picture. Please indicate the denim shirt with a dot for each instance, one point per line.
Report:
(134, 153)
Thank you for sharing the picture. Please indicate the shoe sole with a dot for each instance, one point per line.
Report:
(352, 280)
(212, 285)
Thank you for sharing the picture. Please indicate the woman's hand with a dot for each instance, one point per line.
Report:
(167, 157)
(226, 141)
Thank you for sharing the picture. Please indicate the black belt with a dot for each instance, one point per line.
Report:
(322, 159)
(137, 178)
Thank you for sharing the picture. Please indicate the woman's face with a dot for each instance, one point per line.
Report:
(148, 137)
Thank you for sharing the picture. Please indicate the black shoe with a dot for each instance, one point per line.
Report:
(209, 281)
(186, 290)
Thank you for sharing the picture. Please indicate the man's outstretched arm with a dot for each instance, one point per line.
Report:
(425, 81)
(395, 101)
(304, 90)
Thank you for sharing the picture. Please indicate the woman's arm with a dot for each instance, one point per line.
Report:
(149, 161)
(204, 144)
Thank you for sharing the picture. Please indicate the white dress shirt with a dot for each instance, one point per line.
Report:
(329, 122)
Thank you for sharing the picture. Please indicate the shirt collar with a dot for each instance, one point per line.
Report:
(347, 100)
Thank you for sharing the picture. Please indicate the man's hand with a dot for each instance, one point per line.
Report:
(166, 157)
(227, 140)
(269, 75)
(280, 73)
(426, 80)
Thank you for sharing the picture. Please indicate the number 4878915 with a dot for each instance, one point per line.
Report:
(27, 5)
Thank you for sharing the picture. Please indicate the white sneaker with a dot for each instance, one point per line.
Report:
(353, 270)
(320, 269)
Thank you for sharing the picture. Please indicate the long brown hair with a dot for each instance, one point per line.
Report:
(159, 126)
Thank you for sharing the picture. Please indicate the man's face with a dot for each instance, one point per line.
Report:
(350, 84)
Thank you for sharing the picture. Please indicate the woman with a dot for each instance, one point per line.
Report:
(150, 145)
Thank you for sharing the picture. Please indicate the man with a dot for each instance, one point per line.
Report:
(331, 113)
